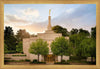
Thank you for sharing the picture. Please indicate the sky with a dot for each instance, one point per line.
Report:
(34, 17)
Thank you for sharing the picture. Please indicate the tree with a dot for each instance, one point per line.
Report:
(93, 32)
(10, 41)
(84, 32)
(93, 36)
(75, 41)
(5, 48)
(74, 31)
(19, 47)
(22, 34)
(59, 29)
(59, 46)
(70, 49)
(9, 38)
(88, 48)
(39, 47)
(8, 31)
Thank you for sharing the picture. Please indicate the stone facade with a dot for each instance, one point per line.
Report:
(48, 36)
(11, 57)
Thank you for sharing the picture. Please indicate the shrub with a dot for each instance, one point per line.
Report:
(27, 60)
(35, 61)
(63, 61)
(14, 60)
(18, 55)
(10, 52)
(68, 61)
(41, 62)
(76, 58)
(7, 58)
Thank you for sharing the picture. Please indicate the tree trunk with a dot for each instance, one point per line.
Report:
(92, 59)
(61, 57)
(38, 57)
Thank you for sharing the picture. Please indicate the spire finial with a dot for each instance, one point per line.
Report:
(49, 11)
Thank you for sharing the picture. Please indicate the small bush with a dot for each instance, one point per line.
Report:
(7, 58)
(10, 52)
(18, 55)
(63, 61)
(35, 61)
(75, 58)
(27, 60)
(14, 60)
(41, 62)
(68, 61)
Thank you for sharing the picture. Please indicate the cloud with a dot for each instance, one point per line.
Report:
(22, 17)
(70, 10)
(15, 19)
(83, 16)
(32, 12)
(35, 27)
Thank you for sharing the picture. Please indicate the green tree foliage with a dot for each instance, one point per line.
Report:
(22, 34)
(59, 29)
(93, 36)
(93, 32)
(84, 46)
(75, 41)
(76, 38)
(84, 32)
(88, 48)
(19, 47)
(5, 48)
(70, 49)
(39, 47)
(74, 31)
(8, 31)
(9, 38)
(59, 46)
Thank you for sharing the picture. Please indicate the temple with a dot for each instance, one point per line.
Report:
(48, 36)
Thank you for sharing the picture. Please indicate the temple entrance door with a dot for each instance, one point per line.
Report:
(50, 58)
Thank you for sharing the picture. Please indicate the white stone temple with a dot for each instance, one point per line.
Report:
(48, 36)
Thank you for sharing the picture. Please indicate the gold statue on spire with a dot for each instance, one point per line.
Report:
(49, 11)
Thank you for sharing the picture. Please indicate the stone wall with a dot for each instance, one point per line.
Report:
(15, 57)
(66, 58)
(48, 36)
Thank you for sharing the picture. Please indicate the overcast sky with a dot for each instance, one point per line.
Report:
(34, 17)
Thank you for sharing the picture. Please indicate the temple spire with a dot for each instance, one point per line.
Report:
(49, 11)
(49, 21)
